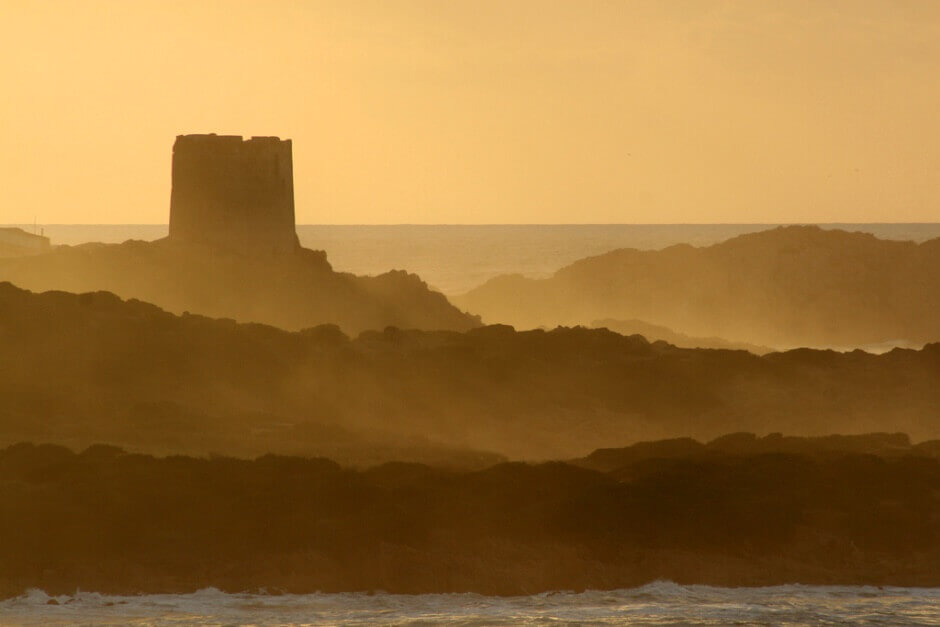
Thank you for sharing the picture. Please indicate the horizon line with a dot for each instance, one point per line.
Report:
(797, 223)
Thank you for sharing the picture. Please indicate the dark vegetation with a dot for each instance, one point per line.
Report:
(785, 287)
(739, 511)
(292, 290)
(79, 369)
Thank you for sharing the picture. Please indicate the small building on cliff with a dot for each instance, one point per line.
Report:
(233, 193)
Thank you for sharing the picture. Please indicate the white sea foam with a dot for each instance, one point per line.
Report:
(660, 603)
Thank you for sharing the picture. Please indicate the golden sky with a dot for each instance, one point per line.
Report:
(482, 111)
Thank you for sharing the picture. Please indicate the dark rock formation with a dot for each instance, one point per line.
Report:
(655, 332)
(888, 445)
(107, 521)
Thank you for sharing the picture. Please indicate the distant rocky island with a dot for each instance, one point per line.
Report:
(785, 287)
(233, 252)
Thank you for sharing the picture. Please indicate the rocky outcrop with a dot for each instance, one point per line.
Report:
(291, 290)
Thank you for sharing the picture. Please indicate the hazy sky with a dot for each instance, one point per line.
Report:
(482, 112)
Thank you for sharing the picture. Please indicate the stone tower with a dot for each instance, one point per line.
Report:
(233, 193)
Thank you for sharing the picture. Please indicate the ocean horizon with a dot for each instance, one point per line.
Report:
(456, 258)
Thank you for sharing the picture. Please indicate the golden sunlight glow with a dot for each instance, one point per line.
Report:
(482, 112)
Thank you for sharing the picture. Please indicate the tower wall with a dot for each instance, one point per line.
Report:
(233, 193)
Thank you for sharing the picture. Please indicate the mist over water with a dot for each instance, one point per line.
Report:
(659, 603)
(457, 258)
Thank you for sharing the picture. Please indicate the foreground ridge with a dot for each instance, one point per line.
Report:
(114, 522)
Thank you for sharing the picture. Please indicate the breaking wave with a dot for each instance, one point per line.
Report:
(660, 603)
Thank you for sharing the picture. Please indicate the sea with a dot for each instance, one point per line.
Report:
(659, 603)
(456, 258)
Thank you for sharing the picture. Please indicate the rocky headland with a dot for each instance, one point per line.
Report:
(291, 289)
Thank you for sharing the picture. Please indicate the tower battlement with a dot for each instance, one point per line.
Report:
(233, 193)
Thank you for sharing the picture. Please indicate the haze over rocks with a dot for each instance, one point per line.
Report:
(785, 287)
(291, 290)
(87, 368)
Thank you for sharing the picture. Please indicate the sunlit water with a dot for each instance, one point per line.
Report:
(457, 258)
(660, 603)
